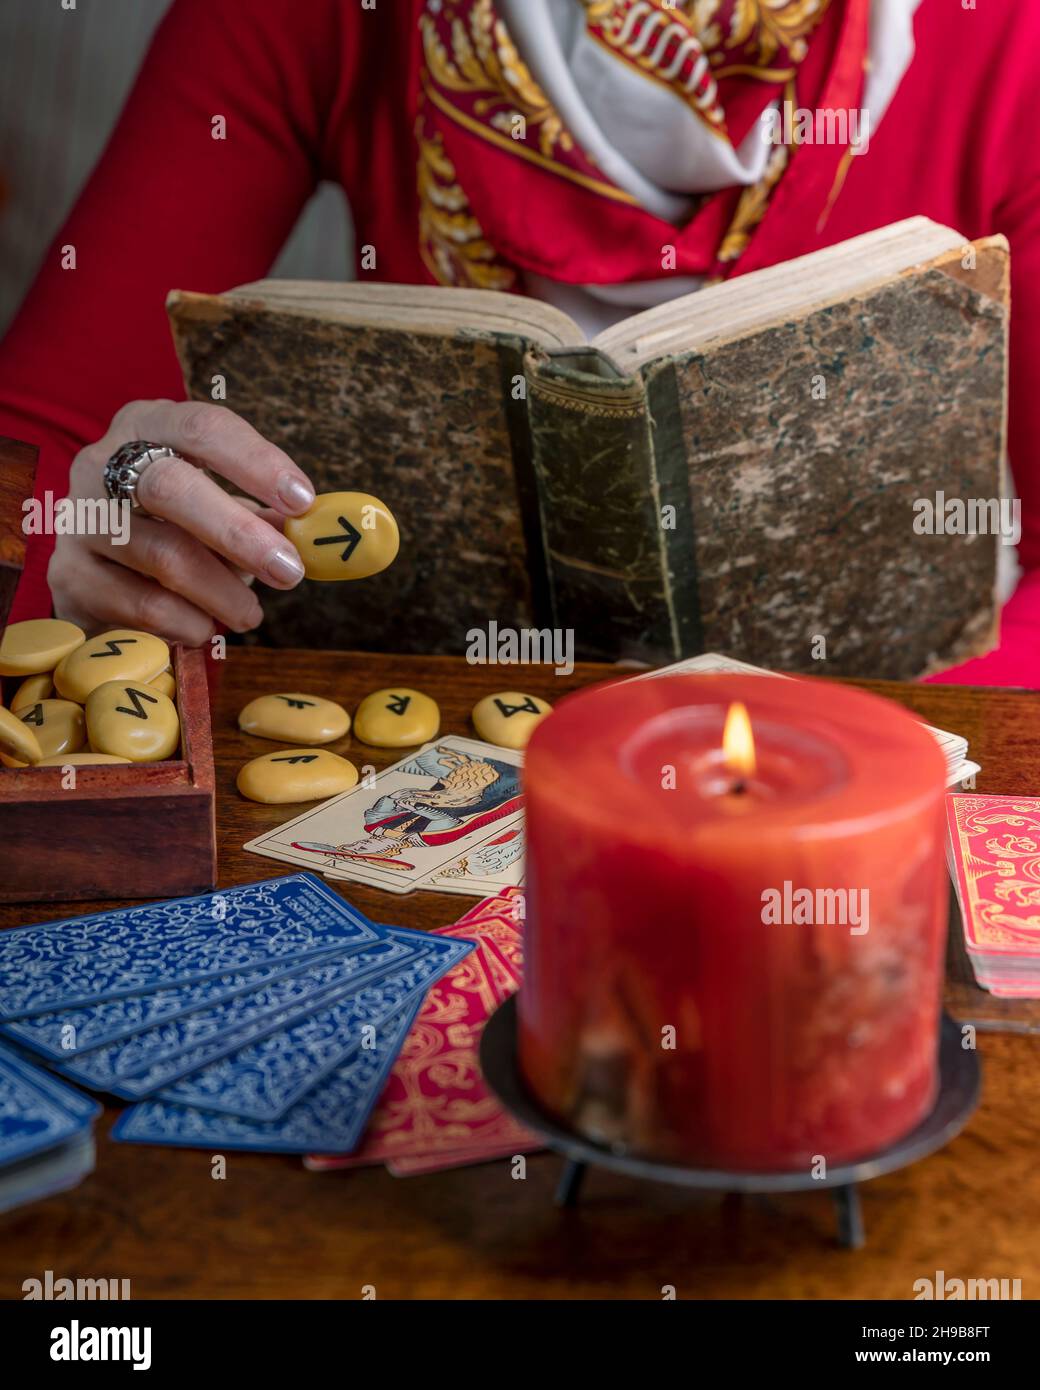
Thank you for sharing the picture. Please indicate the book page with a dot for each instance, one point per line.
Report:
(748, 302)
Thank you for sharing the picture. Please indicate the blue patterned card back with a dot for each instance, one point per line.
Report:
(61, 1036)
(262, 1081)
(138, 1065)
(109, 955)
(330, 1118)
(37, 1112)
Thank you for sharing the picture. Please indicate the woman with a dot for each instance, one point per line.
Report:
(548, 147)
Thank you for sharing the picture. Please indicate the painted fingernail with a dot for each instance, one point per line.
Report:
(295, 493)
(285, 566)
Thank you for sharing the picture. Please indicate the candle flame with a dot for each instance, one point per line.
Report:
(738, 743)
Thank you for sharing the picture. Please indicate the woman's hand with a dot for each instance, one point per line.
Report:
(178, 574)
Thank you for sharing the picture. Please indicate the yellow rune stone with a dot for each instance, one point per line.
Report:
(37, 645)
(296, 774)
(344, 535)
(57, 725)
(294, 718)
(33, 688)
(119, 655)
(80, 760)
(509, 718)
(396, 718)
(19, 739)
(132, 721)
(165, 683)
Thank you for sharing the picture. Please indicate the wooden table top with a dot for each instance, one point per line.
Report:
(273, 1230)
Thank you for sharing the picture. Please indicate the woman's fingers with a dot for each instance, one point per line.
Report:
(273, 518)
(101, 594)
(188, 527)
(221, 440)
(258, 509)
(179, 562)
(179, 492)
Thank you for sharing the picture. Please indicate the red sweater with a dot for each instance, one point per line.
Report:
(327, 89)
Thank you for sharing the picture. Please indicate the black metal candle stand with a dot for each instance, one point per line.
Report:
(959, 1083)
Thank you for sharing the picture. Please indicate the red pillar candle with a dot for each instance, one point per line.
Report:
(684, 997)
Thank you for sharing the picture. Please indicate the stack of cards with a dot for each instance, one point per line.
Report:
(46, 1133)
(263, 1017)
(436, 1111)
(954, 747)
(994, 852)
(449, 818)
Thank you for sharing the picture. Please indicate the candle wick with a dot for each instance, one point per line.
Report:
(739, 787)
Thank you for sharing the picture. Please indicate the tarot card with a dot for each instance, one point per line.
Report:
(418, 817)
(995, 842)
(497, 862)
(496, 979)
(500, 930)
(49, 1173)
(954, 747)
(263, 1080)
(1028, 990)
(61, 1036)
(37, 1112)
(436, 1097)
(502, 919)
(508, 900)
(332, 1115)
(110, 955)
(418, 1164)
(505, 902)
(130, 1067)
(708, 663)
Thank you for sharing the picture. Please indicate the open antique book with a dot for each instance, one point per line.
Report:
(736, 468)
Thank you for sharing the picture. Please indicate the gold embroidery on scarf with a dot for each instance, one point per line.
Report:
(484, 60)
(658, 40)
(751, 207)
(763, 27)
(451, 240)
(839, 183)
(505, 142)
(763, 74)
(754, 201)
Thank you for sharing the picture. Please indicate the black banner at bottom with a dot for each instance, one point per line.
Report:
(166, 1339)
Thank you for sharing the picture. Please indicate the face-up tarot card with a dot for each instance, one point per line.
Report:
(415, 820)
(496, 863)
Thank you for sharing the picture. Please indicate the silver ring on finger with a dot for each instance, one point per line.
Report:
(123, 470)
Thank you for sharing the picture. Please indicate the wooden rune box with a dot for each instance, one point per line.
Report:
(144, 830)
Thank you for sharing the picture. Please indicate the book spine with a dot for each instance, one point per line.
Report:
(678, 523)
(605, 515)
(513, 390)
